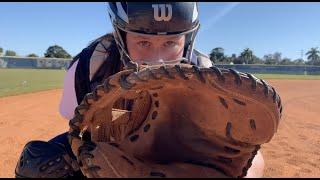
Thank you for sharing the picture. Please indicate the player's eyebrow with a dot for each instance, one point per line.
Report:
(141, 37)
(150, 37)
(173, 38)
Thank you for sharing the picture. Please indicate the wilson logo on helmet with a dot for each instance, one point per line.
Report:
(159, 12)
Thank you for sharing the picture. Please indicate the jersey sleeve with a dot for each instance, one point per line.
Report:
(69, 99)
(200, 59)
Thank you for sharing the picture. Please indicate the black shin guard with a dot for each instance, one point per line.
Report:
(41, 159)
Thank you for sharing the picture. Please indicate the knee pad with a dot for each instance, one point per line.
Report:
(41, 159)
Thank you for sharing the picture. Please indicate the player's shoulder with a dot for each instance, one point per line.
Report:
(100, 47)
(99, 59)
(201, 59)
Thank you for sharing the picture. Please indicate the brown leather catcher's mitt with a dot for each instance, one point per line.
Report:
(174, 121)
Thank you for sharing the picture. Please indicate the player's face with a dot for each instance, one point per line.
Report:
(154, 49)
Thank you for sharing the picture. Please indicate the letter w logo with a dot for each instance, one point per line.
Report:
(159, 12)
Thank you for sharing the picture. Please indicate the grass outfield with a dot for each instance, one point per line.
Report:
(288, 76)
(20, 81)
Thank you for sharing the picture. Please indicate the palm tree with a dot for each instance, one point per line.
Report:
(313, 54)
(247, 55)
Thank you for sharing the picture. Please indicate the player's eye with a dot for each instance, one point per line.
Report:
(144, 44)
(170, 44)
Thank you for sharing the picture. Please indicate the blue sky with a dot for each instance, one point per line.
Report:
(263, 27)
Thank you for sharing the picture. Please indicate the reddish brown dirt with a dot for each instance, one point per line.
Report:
(293, 152)
(27, 117)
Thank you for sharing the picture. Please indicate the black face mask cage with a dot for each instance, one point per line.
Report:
(120, 38)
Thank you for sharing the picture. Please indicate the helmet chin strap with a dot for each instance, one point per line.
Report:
(191, 44)
(124, 56)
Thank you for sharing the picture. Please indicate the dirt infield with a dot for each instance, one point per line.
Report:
(293, 152)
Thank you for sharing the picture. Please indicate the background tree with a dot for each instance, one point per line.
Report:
(238, 60)
(268, 58)
(32, 55)
(277, 57)
(10, 53)
(286, 61)
(247, 56)
(272, 59)
(217, 55)
(313, 56)
(257, 60)
(1, 51)
(225, 60)
(299, 62)
(56, 51)
(230, 59)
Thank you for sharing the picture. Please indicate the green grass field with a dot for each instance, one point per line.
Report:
(20, 81)
(288, 76)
